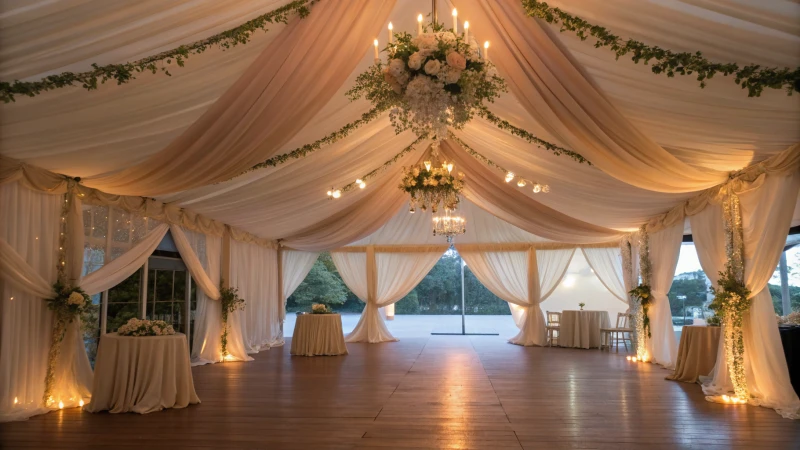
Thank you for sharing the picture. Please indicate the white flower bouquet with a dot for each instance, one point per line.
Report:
(319, 308)
(432, 81)
(143, 327)
(69, 302)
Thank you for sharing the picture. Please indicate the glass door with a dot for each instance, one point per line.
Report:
(170, 294)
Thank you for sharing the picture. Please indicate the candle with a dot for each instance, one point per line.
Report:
(486, 50)
(377, 57)
(466, 32)
(391, 37)
(419, 24)
(455, 21)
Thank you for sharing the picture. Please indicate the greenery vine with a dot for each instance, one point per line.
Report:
(752, 77)
(229, 301)
(373, 173)
(124, 73)
(307, 149)
(528, 136)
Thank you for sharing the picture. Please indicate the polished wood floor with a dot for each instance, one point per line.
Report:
(438, 392)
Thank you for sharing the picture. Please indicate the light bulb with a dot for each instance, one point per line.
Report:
(546, 188)
(449, 167)
(419, 18)
(466, 25)
(330, 193)
(80, 403)
(390, 26)
(60, 404)
(411, 210)
(521, 183)
(509, 177)
(537, 188)
(486, 44)
(362, 185)
(427, 165)
(455, 12)
(358, 181)
(15, 398)
(337, 193)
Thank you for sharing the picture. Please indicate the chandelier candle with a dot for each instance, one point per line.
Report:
(466, 31)
(455, 21)
(419, 24)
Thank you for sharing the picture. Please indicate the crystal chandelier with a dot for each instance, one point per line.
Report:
(449, 225)
(432, 183)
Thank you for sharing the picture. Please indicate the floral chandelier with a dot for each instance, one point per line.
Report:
(432, 184)
(432, 81)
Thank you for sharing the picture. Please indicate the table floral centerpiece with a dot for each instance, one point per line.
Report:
(144, 327)
(581, 304)
(320, 308)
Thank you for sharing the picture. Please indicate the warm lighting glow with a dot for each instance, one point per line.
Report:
(545, 189)
(228, 358)
(330, 193)
(419, 18)
(377, 56)
(628, 358)
(634, 359)
(486, 50)
(455, 21)
(12, 298)
(362, 185)
(427, 165)
(80, 403)
(537, 188)
(15, 398)
(449, 167)
(419, 24)
(358, 181)
(509, 177)
(60, 404)
(521, 183)
(337, 193)
(391, 35)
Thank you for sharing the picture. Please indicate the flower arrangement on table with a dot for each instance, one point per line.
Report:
(320, 308)
(581, 304)
(230, 301)
(144, 327)
(713, 321)
(431, 81)
(428, 185)
(793, 318)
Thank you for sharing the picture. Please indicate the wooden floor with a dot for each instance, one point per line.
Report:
(437, 392)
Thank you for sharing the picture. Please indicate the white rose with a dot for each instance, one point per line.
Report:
(432, 67)
(452, 75)
(397, 69)
(415, 61)
(446, 36)
(425, 41)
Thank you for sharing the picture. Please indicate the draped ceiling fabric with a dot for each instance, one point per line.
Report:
(656, 143)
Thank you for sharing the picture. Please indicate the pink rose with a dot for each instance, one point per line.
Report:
(454, 59)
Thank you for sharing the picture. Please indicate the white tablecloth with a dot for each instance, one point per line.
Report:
(318, 334)
(142, 374)
(581, 329)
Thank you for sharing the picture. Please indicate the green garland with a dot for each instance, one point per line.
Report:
(731, 301)
(229, 301)
(385, 165)
(519, 132)
(123, 73)
(752, 77)
(307, 149)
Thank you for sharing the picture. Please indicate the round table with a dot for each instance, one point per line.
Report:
(142, 374)
(581, 329)
(697, 353)
(318, 335)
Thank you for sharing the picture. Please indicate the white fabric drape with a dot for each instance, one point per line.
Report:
(607, 265)
(665, 248)
(523, 279)
(203, 253)
(119, 269)
(26, 323)
(380, 280)
(254, 271)
(294, 266)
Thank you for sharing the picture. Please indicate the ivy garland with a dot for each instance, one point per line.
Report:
(643, 296)
(752, 77)
(124, 73)
(528, 136)
(334, 137)
(229, 301)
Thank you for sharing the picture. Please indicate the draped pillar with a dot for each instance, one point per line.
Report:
(665, 248)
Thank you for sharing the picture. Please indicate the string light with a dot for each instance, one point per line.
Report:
(60, 404)
(509, 177)
(521, 183)
(337, 193)
(80, 403)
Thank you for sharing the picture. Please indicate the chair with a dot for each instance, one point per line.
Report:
(553, 326)
(612, 336)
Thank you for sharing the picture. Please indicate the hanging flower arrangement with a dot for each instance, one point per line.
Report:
(430, 186)
(230, 301)
(67, 305)
(431, 81)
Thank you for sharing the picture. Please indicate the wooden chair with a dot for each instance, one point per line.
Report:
(553, 326)
(612, 336)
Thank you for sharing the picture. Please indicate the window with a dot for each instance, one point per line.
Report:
(785, 287)
(689, 295)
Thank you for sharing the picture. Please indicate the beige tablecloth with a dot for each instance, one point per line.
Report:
(581, 329)
(697, 353)
(318, 334)
(142, 374)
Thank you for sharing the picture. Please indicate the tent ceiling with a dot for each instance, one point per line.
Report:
(84, 134)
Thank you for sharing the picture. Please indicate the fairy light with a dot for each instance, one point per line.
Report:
(337, 193)
(521, 183)
(509, 177)
(80, 403)
(60, 404)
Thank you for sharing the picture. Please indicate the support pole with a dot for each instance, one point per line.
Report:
(787, 306)
(463, 301)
